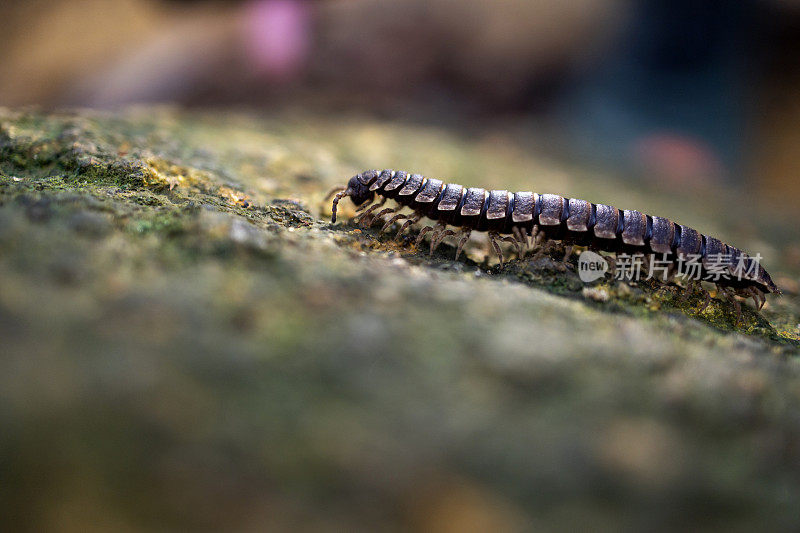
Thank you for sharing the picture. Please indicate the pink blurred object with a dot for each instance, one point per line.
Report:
(679, 159)
(278, 37)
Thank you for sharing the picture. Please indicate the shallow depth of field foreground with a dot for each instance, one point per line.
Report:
(187, 342)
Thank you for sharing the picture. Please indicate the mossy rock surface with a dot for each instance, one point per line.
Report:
(187, 342)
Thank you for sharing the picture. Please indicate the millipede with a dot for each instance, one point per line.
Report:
(523, 218)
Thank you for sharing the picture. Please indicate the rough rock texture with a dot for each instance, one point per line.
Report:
(188, 343)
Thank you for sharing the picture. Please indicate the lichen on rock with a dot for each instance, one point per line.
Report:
(188, 342)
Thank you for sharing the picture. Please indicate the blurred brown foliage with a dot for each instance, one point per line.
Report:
(419, 58)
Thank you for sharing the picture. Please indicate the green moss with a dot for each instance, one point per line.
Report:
(168, 223)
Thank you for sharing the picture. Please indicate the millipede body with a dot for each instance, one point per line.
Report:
(516, 217)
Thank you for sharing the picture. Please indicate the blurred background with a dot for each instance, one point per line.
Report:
(674, 90)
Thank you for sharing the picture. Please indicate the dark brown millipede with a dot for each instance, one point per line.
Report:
(518, 217)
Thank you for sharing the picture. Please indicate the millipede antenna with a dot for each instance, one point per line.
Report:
(341, 194)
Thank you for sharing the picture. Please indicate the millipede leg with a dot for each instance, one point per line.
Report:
(462, 241)
(392, 220)
(646, 263)
(362, 217)
(386, 211)
(752, 294)
(521, 236)
(360, 209)
(539, 240)
(758, 297)
(382, 213)
(530, 238)
(437, 239)
(438, 228)
(731, 296)
(363, 210)
(514, 243)
(493, 239)
(413, 219)
(671, 270)
(534, 234)
(422, 233)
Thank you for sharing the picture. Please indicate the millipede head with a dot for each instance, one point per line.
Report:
(359, 188)
(766, 279)
(358, 191)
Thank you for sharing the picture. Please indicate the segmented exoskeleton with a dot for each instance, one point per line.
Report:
(518, 217)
